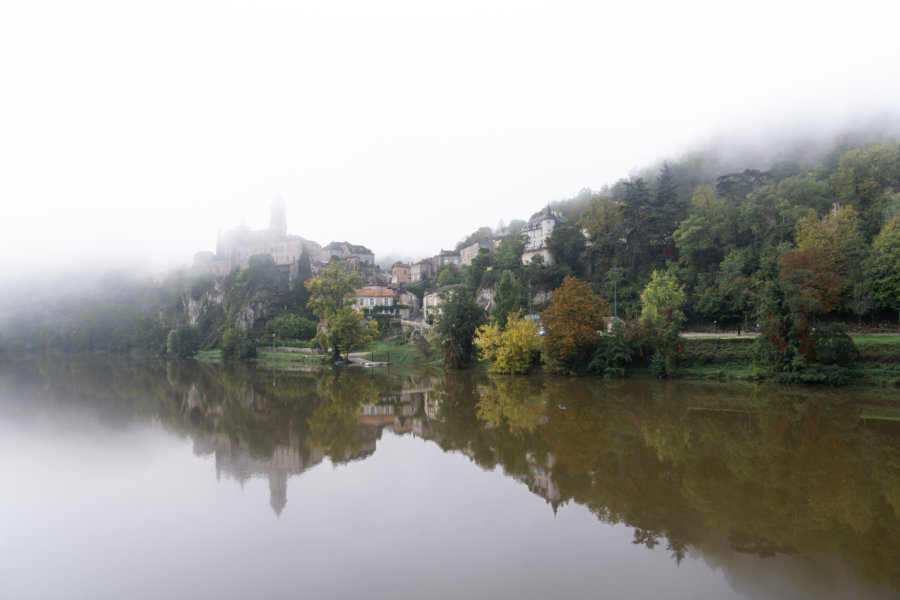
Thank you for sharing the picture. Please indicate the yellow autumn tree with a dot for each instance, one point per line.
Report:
(512, 350)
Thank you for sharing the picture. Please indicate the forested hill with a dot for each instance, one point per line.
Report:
(726, 234)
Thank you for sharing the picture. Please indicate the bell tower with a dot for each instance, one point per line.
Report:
(278, 218)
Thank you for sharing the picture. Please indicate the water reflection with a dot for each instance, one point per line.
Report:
(722, 470)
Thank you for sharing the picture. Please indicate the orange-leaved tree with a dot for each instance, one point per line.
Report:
(574, 324)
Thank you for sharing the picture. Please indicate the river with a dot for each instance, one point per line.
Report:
(154, 479)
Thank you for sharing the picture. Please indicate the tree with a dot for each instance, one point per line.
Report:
(507, 298)
(291, 327)
(862, 178)
(790, 345)
(512, 350)
(509, 253)
(611, 354)
(182, 341)
(661, 316)
(566, 243)
(299, 293)
(885, 265)
(636, 218)
(602, 221)
(573, 323)
(473, 274)
(447, 275)
(455, 326)
(837, 236)
(330, 296)
(263, 275)
(661, 301)
(664, 207)
(331, 289)
(238, 342)
(348, 331)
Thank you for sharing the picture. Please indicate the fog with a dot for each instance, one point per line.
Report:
(132, 135)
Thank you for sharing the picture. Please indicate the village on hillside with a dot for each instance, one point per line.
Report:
(380, 288)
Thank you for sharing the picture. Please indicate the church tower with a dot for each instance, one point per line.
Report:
(278, 218)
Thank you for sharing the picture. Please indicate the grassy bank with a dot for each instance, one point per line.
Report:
(732, 358)
(270, 359)
(717, 358)
(879, 358)
(402, 354)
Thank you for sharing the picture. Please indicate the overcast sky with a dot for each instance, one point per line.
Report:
(134, 131)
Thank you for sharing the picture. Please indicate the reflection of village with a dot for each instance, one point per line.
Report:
(736, 474)
(408, 412)
(791, 474)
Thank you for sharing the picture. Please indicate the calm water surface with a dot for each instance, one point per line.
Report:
(181, 480)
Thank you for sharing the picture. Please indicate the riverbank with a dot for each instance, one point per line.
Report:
(731, 358)
(711, 357)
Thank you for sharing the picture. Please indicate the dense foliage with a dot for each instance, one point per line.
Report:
(574, 325)
(512, 350)
(455, 326)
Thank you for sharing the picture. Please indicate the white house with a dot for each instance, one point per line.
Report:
(538, 231)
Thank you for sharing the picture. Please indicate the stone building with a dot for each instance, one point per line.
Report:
(423, 269)
(235, 248)
(538, 231)
(446, 257)
(401, 273)
(349, 252)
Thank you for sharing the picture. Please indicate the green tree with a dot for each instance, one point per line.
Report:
(263, 275)
(661, 301)
(661, 316)
(612, 354)
(507, 297)
(884, 266)
(862, 178)
(509, 253)
(573, 323)
(473, 275)
(455, 326)
(238, 342)
(447, 275)
(332, 289)
(837, 236)
(299, 291)
(566, 243)
(291, 327)
(602, 221)
(182, 342)
(790, 345)
(348, 331)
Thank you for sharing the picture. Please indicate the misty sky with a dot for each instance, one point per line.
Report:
(133, 131)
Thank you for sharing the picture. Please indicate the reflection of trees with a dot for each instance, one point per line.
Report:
(335, 424)
(769, 470)
(513, 401)
(719, 468)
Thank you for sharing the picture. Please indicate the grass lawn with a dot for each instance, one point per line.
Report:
(400, 354)
(267, 358)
